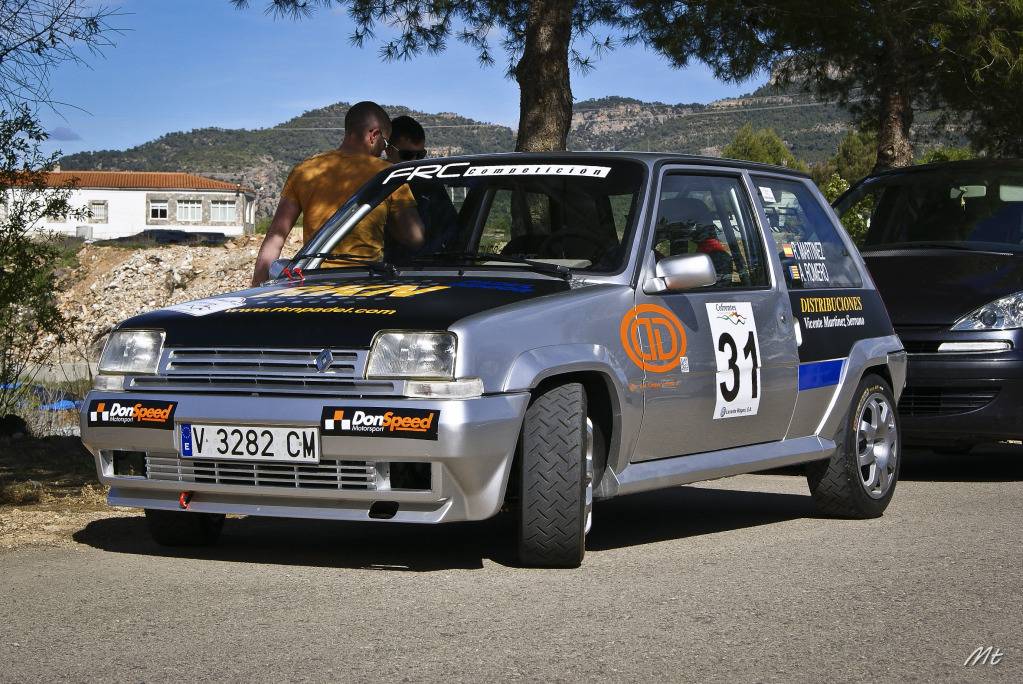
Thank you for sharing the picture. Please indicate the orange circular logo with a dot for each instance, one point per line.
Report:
(663, 334)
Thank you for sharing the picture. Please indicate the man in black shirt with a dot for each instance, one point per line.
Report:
(408, 142)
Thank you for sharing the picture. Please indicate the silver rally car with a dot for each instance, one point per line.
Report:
(576, 327)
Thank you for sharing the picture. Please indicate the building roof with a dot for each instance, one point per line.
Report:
(140, 180)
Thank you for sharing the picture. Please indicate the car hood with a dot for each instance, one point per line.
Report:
(938, 287)
(337, 312)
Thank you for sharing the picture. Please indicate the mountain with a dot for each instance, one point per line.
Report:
(261, 158)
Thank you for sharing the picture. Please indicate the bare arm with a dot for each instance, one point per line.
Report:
(283, 221)
(406, 227)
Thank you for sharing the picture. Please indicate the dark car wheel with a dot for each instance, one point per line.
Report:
(555, 476)
(859, 479)
(183, 528)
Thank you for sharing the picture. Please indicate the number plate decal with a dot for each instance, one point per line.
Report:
(737, 352)
(249, 443)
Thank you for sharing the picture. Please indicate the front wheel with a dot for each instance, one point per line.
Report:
(859, 479)
(556, 476)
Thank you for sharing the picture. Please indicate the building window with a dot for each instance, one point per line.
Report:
(190, 210)
(98, 211)
(158, 209)
(222, 210)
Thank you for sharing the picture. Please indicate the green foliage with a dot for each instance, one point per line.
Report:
(763, 145)
(833, 187)
(856, 156)
(961, 56)
(31, 324)
(981, 79)
(946, 154)
(856, 220)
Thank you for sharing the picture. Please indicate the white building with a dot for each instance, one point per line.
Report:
(126, 203)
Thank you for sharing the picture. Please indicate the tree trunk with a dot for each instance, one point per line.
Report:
(545, 89)
(896, 117)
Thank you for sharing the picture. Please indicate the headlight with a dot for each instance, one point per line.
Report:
(1002, 314)
(132, 351)
(412, 355)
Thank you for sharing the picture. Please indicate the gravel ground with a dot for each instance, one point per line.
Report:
(733, 580)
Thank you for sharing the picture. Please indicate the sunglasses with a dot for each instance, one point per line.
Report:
(408, 155)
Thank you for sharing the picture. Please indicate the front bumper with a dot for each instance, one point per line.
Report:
(470, 460)
(966, 397)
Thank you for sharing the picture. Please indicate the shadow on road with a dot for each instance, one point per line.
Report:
(633, 520)
(628, 521)
(985, 463)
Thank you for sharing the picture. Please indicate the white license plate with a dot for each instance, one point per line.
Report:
(249, 443)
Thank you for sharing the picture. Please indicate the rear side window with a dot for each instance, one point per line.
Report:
(811, 250)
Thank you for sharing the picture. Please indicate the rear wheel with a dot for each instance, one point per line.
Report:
(183, 528)
(859, 479)
(556, 468)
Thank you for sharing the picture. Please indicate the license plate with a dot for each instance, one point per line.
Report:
(249, 443)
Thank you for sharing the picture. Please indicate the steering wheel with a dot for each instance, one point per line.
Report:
(544, 248)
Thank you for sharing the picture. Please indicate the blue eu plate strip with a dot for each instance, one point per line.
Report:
(819, 374)
(186, 439)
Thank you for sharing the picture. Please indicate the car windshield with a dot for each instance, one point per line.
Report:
(493, 214)
(947, 208)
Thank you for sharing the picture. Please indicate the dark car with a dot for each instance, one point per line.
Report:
(944, 244)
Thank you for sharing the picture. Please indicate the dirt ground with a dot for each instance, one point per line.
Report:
(48, 490)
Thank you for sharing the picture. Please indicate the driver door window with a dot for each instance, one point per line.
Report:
(706, 214)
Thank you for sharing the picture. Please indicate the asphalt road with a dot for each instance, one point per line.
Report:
(735, 580)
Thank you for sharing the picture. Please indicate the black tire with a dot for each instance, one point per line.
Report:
(836, 484)
(183, 528)
(551, 454)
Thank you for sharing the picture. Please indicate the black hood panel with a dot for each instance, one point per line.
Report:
(335, 312)
(938, 287)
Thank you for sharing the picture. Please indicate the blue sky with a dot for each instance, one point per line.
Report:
(183, 64)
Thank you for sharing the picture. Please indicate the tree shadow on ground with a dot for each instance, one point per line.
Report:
(633, 520)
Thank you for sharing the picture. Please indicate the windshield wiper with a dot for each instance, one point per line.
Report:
(381, 267)
(537, 266)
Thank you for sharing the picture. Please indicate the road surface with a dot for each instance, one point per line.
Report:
(734, 580)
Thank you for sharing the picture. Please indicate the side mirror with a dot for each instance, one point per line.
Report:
(277, 268)
(682, 272)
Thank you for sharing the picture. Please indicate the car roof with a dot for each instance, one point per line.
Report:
(967, 164)
(648, 158)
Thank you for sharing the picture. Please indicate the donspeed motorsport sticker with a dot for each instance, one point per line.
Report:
(157, 415)
(737, 352)
(370, 421)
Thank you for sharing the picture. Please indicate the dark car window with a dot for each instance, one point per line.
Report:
(958, 208)
(810, 247)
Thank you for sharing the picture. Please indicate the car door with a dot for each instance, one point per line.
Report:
(721, 361)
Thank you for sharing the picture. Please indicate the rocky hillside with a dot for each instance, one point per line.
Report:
(114, 283)
(261, 158)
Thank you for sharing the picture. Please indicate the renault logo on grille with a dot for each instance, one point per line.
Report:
(323, 360)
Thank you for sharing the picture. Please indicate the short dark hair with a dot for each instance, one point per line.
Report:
(365, 115)
(408, 128)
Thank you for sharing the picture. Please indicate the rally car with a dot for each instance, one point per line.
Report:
(585, 325)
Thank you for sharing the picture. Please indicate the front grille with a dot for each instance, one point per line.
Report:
(324, 475)
(942, 401)
(261, 371)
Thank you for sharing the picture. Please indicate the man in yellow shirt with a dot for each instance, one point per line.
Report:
(319, 186)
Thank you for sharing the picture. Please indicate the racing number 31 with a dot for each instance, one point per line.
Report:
(737, 352)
